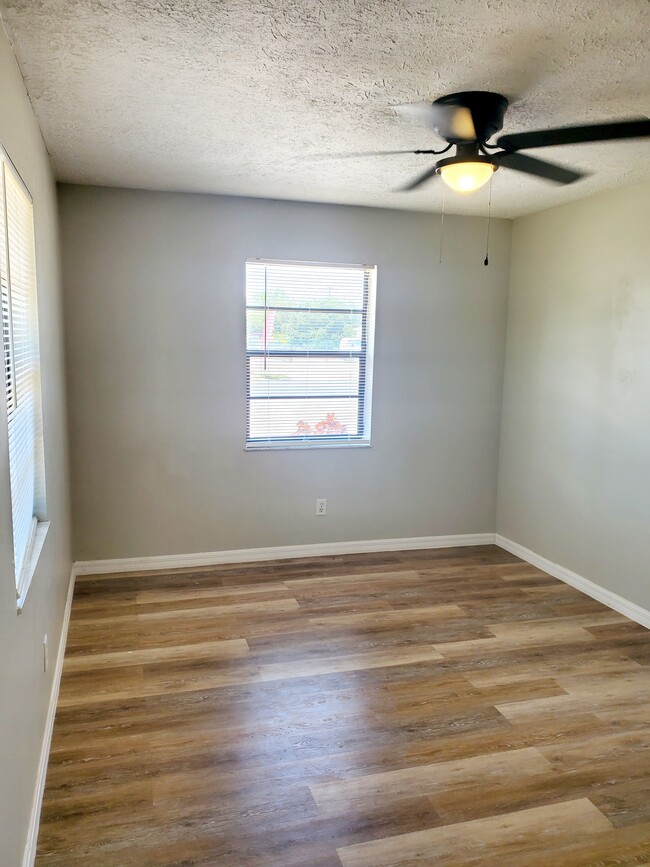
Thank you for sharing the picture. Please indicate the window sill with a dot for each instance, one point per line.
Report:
(35, 548)
(287, 446)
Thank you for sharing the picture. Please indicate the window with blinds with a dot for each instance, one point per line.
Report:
(309, 338)
(21, 370)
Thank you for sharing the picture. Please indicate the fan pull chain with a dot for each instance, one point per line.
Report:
(442, 223)
(486, 261)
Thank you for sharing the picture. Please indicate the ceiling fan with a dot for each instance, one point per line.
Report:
(467, 120)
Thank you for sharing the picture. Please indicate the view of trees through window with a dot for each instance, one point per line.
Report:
(286, 329)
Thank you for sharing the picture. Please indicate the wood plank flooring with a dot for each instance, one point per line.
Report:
(442, 707)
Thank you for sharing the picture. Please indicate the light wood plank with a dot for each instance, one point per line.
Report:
(353, 662)
(228, 649)
(397, 617)
(427, 779)
(483, 841)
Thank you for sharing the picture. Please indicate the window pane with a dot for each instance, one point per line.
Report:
(319, 417)
(304, 322)
(299, 331)
(304, 286)
(302, 376)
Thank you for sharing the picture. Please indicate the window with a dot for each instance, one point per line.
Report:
(309, 334)
(21, 372)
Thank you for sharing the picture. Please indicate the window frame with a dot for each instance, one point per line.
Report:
(39, 524)
(365, 355)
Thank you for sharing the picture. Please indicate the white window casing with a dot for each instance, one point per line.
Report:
(309, 354)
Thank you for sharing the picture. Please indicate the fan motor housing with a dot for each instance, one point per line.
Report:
(488, 110)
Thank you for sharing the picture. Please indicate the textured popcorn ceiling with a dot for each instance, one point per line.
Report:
(238, 96)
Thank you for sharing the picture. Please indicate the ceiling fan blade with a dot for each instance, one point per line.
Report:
(449, 121)
(635, 128)
(352, 154)
(539, 168)
(419, 180)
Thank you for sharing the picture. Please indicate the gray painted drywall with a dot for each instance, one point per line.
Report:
(154, 286)
(574, 480)
(24, 687)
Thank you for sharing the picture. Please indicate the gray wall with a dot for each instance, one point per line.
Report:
(24, 687)
(155, 334)
(575, 448)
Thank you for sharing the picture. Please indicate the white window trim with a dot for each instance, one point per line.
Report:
(331, 442)
(4, 156)
(306, 446)
(34, 548)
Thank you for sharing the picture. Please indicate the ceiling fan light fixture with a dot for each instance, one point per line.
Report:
(466, 177)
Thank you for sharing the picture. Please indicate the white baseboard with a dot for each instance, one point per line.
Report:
(611, 600)
(250, 555)
(32, 834)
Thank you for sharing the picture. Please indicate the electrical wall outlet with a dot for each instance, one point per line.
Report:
(46, 658)
(321, 507)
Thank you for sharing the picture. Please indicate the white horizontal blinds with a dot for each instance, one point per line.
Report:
(306, 346)
(4, 294)
(20, 359)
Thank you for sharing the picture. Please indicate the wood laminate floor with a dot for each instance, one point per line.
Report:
(440, 707)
